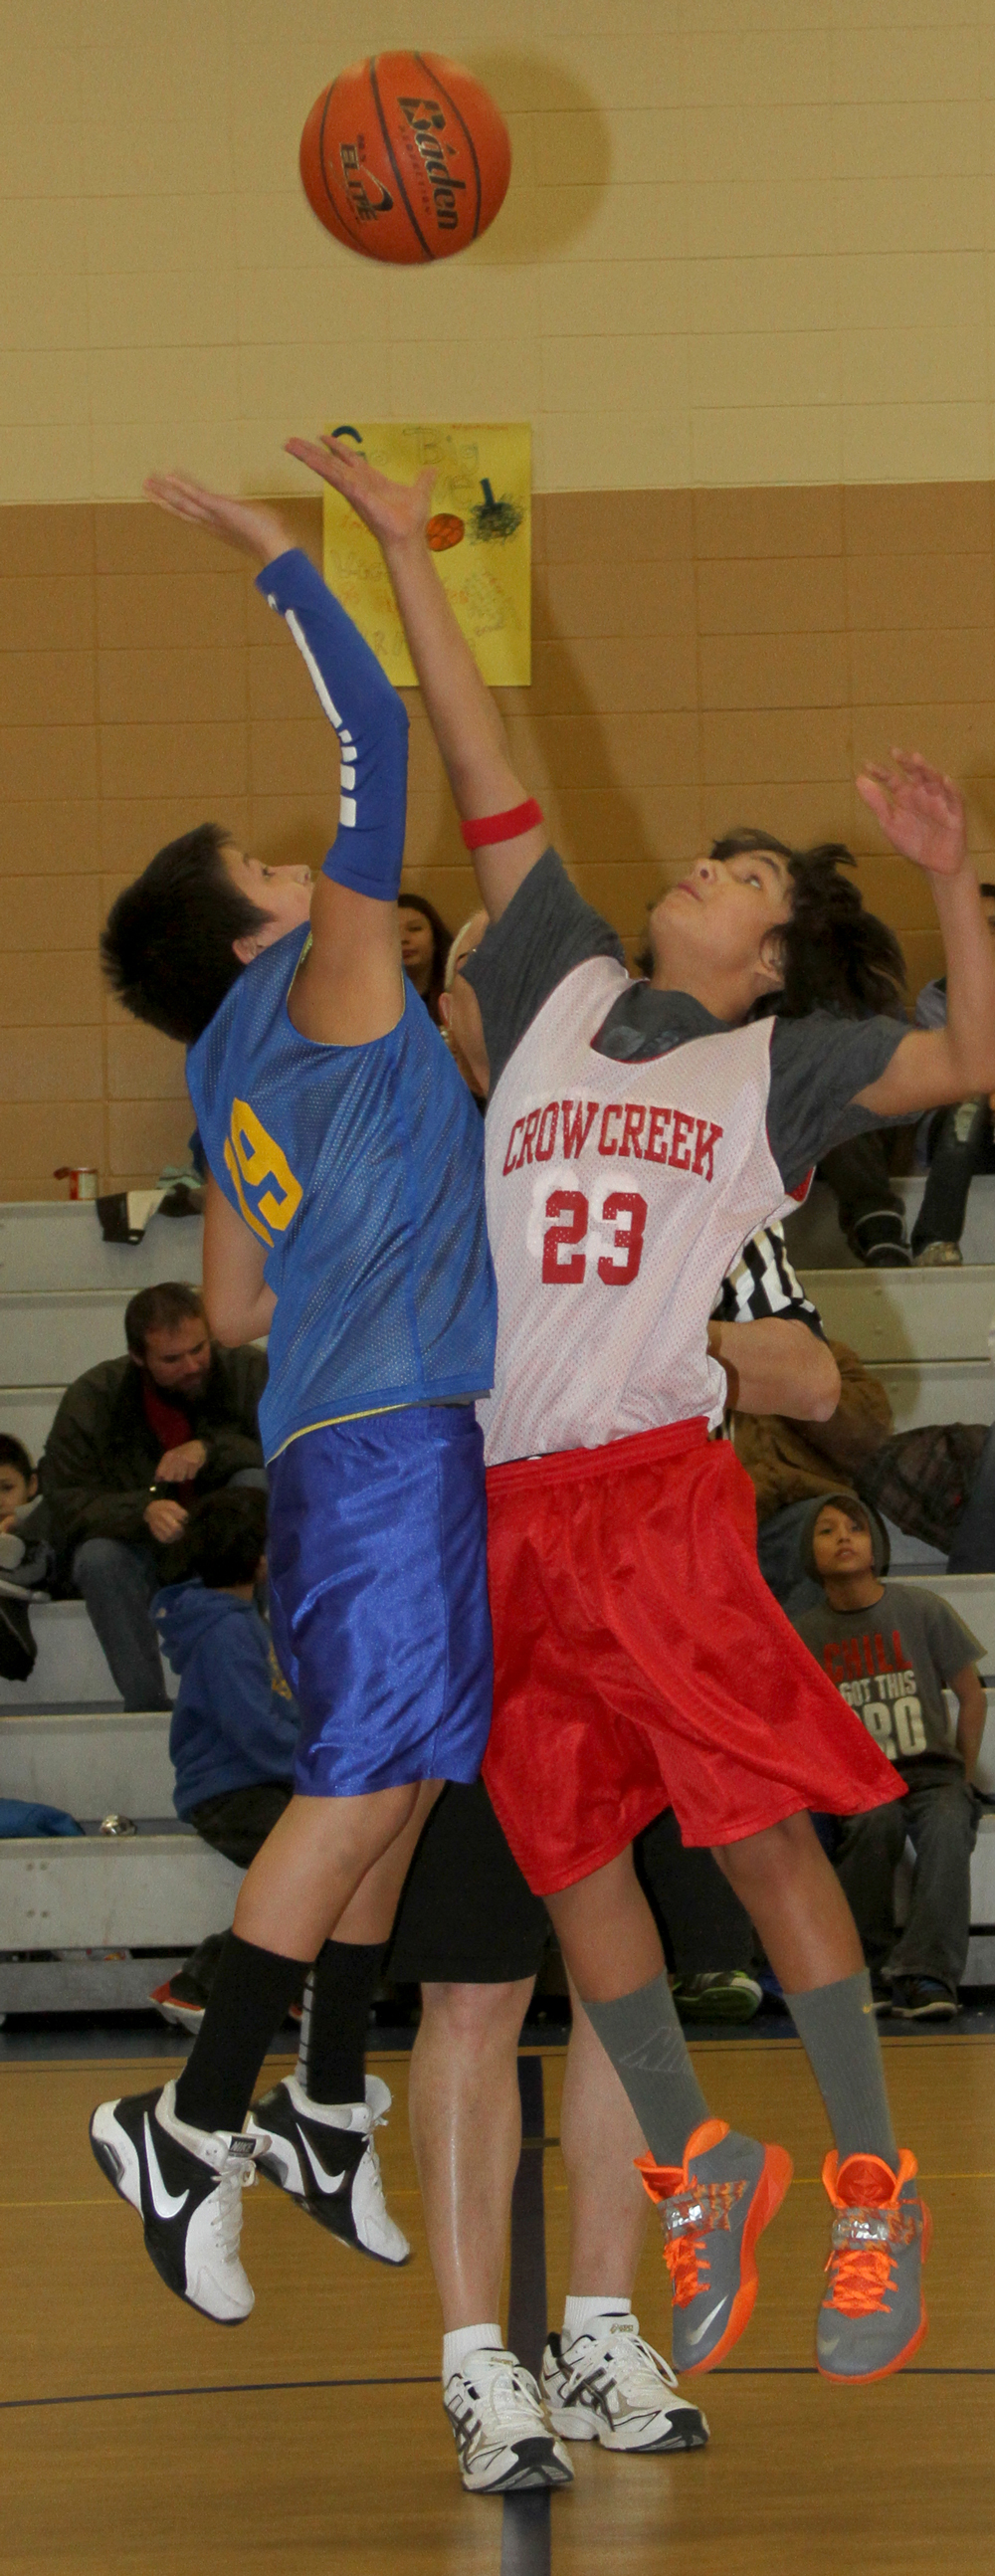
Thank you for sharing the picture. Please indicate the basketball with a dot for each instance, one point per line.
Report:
(405, 158)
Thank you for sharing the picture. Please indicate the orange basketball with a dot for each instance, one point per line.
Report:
(405, 158)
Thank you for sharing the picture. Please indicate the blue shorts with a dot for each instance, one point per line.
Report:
(377, 1555)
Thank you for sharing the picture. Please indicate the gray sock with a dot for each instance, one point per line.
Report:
(839, 2034)
(643, 2038)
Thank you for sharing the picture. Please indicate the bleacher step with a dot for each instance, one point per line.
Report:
(148, 1892)
(71, 1671)
(90, 1765)
(121, 1984)
(906, 1314)
(56, 1244)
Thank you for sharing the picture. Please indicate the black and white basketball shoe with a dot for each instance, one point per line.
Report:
(187, 2186)
(503, 2435)
(612, 2387)
(323, 2154)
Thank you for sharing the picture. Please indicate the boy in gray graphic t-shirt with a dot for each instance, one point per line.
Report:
(892, 1650)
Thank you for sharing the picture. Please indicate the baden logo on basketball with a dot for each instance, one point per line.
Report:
(427, 122)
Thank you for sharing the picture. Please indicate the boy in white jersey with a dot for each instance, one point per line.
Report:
(635, 1138)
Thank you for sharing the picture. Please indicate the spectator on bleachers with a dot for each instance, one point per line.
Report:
(25, 1553)
(235, 1720)
(933, 1487)
(135, 1442)
(25, 1556)
(957, 1143)
(892, 1650)
(425, 946)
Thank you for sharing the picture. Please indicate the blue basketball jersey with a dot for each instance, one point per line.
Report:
(361, 1170)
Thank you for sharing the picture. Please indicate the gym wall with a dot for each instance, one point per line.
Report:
(741, 287)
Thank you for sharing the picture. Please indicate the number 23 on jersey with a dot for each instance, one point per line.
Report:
(256, 1164)
(581, 1237)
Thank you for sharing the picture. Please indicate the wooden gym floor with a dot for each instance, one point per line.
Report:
(142, 2441)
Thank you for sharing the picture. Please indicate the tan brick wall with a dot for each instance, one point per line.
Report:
(701, 658)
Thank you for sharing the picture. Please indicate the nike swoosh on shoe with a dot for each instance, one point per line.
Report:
(325, 2181)
(700, 2331)
(165, 2203)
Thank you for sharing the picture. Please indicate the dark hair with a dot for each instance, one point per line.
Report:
(442, 940)
(14, 1454)
(168, 943)
(157, 1310)
(224, 1539)
(836, 955)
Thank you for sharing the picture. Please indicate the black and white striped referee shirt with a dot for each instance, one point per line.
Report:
(762, 1283)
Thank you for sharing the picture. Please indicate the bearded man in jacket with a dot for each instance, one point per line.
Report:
(135, 1442)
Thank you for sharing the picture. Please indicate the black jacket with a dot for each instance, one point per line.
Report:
(101, 1456)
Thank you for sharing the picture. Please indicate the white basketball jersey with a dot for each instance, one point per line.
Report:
(617, 1197)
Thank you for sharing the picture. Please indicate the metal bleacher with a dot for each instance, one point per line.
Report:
(88, 1922)
(93, 1922)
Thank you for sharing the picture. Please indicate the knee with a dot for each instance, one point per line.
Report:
(778, 1849)
(96, 1558)
(949, 1824)
(481, 2021)
(254, 1477)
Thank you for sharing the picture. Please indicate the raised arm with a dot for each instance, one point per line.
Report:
(461, 711)
(350, 987)
(923, 815)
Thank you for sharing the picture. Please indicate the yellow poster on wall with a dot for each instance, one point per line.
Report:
(480, 533)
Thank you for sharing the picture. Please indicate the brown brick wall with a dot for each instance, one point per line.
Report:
(699, 659)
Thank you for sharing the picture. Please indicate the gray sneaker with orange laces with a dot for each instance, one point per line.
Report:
(873, 2317)
(713, 2209)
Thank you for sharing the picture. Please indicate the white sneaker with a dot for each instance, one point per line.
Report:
(187, 2186)
(939, 1256)
(323, 2154)
(501, 2431)
(609, 2386)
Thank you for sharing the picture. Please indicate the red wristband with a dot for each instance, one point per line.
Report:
(486, 828)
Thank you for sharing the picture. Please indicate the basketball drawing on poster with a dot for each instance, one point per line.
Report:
(480, 533)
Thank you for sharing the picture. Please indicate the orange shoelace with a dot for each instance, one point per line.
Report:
(861, 2276)
(687, 2264)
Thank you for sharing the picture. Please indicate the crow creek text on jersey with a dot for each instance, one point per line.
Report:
(626, 1128)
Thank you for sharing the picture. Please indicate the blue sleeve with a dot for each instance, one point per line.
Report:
(370, 719)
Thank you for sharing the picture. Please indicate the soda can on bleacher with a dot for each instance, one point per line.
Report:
(118, 1825)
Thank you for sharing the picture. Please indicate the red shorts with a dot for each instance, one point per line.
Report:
(640, 1661)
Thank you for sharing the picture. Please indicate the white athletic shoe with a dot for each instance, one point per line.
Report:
(610, 2386)
(500, 2426)
(323, 2154)
(187, 2186)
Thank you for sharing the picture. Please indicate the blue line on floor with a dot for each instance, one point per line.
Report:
(525, 2525)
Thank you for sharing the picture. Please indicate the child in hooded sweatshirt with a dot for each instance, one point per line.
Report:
(235, 1720)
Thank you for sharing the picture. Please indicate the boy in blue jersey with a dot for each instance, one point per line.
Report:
(345, 1219)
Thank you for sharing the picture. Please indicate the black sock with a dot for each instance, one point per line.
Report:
(331, 2061)
(248, 2003)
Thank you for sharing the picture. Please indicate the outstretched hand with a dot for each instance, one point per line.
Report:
(391, 511)
(921, 811)
(250, 525)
